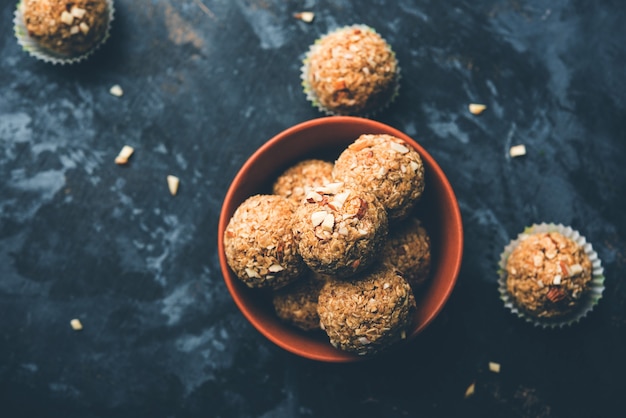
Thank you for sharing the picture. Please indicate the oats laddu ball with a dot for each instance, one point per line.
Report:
(388, 167)
(408, 250)
(369, 313)
(259, 244)
(548, 275)
(296, 303)
(339, 231)
(299, 179)
(66, 28)
(351, 71)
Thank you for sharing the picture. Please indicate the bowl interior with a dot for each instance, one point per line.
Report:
(325, 138)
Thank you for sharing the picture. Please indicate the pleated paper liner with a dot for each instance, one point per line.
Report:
(587, 302)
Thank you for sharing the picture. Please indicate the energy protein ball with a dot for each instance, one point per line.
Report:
(296, 303)
(339, 231)
(66, 28)
(408, 251)
(350, 71)
(366, 315)
(548, 275)
(388, 167)
(299, 179)
(259, 244)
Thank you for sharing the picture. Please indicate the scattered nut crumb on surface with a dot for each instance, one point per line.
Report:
(76, 324)
(305, 16)
(173, 183)
(124, 155)
(116, 90)
(494, 367)
(476, 108)
(517, 150)
(470, 390)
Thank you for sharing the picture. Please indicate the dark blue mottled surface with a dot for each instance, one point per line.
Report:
(204, 87)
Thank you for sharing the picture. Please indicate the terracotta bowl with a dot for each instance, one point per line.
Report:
(325, 138)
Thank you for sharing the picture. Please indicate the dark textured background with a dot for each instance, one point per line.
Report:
(204, 87)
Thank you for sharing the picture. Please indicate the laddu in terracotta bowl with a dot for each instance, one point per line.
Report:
(325, 138)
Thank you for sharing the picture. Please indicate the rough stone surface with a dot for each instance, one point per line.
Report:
(205, 84)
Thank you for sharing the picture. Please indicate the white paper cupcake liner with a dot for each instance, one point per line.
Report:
(312, 97)
(593, 295)
(31, 45)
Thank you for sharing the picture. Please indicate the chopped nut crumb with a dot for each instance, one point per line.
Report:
(275, 268)
(67, 18)
(318, 217)
(555, 295)
(328, 223)
(313, 196)
(74, 30)
(330, 188)
(517, 150)
(305, 16)
(77, 12)
(470, 390)
(172, 183)
(252, 273)
(494, 367)
(124, 155)
(84, 28)
(476, 109)
(575, 269)
(116, 90)
(339, 200)
(76, 324)
(398, 147)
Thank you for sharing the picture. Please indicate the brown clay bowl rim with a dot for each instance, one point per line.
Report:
(293, 340)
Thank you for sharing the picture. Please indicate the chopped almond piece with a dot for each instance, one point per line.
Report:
(470, 390)
(398, 147)
(275, 268)
(494, 367)
(330, 188)
(339, 200)
(328, 223)
(76, 324)
(575, 269)
(67, 18)
(305, 16)
(124, 155)
(517, 150)
(476, 109)
(84, 28)
(116, 90)
(78, 12)
(318, 217)
(172, 183)
(312, 196)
